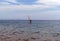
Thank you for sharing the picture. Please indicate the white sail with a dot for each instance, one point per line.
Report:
(29, 18)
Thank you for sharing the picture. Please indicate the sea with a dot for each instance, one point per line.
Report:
(36, 25)
(23, 29)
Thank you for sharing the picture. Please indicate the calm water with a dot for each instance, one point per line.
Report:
(39, 30)
(37, 25)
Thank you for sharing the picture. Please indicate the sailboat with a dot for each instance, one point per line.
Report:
(29, 19)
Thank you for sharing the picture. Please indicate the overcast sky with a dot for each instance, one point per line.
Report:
(36, 9)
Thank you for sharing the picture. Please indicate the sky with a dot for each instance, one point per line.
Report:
(36, 9)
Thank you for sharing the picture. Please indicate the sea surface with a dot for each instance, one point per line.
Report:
(38, 29)
(36, 25)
